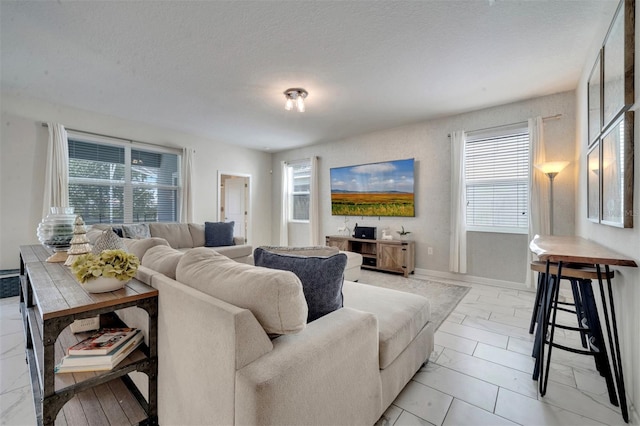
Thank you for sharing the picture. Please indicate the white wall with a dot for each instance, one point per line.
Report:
(501, 257)
(22, 163)
(627, 241)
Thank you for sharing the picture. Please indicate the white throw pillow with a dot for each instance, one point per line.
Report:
(274, 297)
(163, 259)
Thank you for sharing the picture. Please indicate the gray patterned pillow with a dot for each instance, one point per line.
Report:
(136, 231)
(109, 240)
(321, 277)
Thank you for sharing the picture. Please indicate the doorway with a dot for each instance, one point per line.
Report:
(234, 195)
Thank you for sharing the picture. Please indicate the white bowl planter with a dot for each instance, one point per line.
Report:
(104, 284)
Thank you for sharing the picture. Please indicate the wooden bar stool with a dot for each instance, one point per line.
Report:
(583, 306)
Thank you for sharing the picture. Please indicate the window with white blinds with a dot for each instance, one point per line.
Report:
(299, 190)
(112, 183)
(497, 181)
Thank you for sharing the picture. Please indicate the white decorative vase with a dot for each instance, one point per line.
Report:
(103, 284)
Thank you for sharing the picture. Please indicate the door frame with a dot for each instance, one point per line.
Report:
(221, 176)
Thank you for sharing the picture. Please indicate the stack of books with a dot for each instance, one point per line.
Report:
(101, 351)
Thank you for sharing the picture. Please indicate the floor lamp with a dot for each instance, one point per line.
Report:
(551, 169)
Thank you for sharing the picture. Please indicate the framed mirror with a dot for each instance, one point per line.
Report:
(616, 168)
(610, 96)
(593, 183)
(618, 63)
(234, 202)
(595, 100)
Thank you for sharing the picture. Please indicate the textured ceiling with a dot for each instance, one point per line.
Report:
(218, 68)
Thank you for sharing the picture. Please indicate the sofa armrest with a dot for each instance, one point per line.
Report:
(202, 341)
(326, 374)
(239, 241)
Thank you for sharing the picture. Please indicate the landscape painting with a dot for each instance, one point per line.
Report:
(374, 189)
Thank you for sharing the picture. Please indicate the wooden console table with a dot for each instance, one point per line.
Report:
(50, 300)
(382, 255)
(576, 250)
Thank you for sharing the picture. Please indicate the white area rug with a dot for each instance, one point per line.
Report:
(444, 297)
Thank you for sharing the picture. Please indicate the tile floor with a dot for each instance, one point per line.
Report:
(479, 373)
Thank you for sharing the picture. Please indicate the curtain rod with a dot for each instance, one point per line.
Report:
(551, 117)
(115, 137)
(299, 160)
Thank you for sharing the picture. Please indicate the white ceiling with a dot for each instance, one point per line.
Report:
(218, 68)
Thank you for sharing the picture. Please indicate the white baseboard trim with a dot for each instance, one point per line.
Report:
(471, 279)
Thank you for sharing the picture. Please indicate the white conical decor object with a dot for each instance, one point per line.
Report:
(79, 243)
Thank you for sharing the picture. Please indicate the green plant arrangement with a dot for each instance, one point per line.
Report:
(403, 232)
(109, 264)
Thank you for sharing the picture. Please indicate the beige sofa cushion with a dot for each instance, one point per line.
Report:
(274, 297)
(197, 234)
(163, 259)
(140, 247)
(177, 234)
(401, 316)
(233, 252)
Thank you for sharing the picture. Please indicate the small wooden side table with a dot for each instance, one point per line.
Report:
(50, 300)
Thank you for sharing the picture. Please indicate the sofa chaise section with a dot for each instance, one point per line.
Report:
(405, 332)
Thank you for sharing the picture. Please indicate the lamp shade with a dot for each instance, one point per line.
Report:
(288, 104)
(552, 167)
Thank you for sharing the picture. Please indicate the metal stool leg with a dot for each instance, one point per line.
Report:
(596, 338)
(580, 309)
(555, 291)
(536, 306)
(614, 342)
(543, 322)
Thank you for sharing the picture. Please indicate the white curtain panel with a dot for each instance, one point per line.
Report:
(186, 205)
(458, 243)
(284, 211)
(538, 189)
(56, 185)
(314, 204)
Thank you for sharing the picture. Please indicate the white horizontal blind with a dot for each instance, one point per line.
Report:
(497, 181)
(299, 190)
(112, 183)
(155, 184)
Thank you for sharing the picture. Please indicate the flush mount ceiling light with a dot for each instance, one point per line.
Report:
(295, 96)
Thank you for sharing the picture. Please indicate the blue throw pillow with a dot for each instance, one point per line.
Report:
(218, 234)
(321, 278)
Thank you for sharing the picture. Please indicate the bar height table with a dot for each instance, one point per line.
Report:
(561, 249)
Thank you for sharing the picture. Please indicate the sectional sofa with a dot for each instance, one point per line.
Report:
(184, 236)
(234, 345)
(180, 236)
